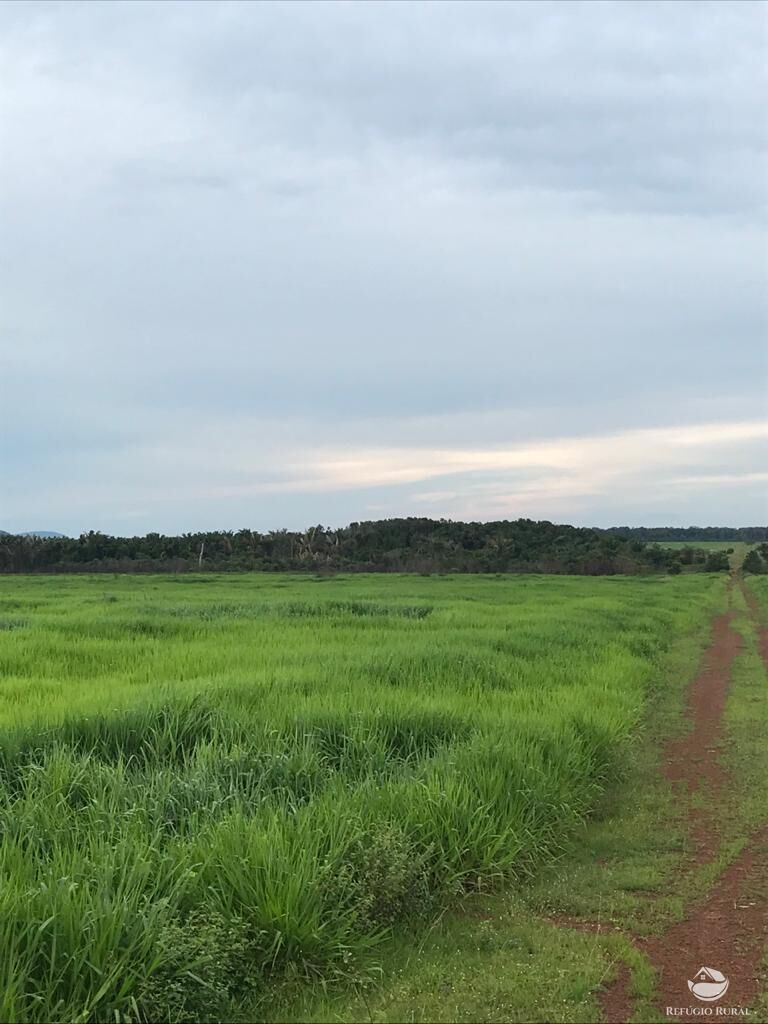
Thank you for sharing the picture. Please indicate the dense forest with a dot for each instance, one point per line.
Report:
(388, 545)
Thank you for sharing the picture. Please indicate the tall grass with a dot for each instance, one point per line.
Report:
(205, 786)
(759, 587)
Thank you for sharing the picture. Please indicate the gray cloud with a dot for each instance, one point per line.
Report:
(281, 228)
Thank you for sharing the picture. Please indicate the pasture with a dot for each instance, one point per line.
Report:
(705, 545)
(211, 783)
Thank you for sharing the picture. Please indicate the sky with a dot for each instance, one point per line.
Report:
(268, 265)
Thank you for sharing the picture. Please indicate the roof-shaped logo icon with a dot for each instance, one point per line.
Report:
(709, 984)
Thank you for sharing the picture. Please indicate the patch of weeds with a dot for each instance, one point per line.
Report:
(301, 609)
(385, 879)
(7, 625)
(214, 612)
(206, 972)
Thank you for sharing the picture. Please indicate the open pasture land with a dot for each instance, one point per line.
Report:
(706, 545)
(209, 782)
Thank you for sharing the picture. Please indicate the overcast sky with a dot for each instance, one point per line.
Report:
(279, 264)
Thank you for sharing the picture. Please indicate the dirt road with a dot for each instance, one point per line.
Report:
(728, 928)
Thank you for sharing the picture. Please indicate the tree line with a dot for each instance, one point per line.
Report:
(387, 545)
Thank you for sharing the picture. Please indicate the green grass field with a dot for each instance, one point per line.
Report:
(210, 784)
(706, 545)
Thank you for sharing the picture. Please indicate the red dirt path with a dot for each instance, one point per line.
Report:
(728, 929)
(693, 760)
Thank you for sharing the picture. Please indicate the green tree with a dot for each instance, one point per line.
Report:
(753, 563)
(717, 561)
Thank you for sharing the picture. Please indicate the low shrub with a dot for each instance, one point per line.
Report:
(384, 879)
(207, 968)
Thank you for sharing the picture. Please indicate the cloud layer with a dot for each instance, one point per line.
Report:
(278, 264)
